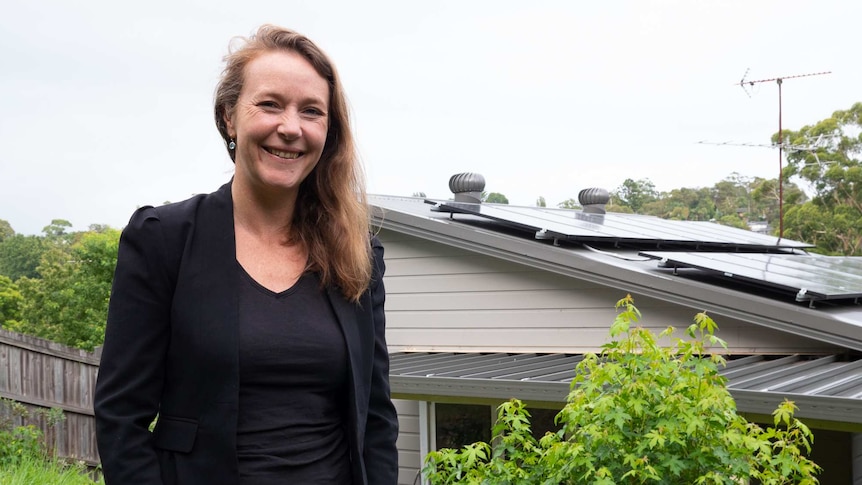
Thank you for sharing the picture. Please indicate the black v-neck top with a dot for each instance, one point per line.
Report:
(293, 386)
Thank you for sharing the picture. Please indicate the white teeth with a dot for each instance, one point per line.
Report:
(281, 154)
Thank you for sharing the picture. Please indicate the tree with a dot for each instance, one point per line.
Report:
(496, 198)
(20, 256)
(764, 199)
(98, 228)
(57, 228)
(639, 413)
(682, 204)
(68, 303)
(735, 201)
(10, 302)
(733, 220)
(569, 204)
(731, 195)
(833, 231)
(634, 194)
(540, 202)
(419, 194)
(830, 160)
(6, 230)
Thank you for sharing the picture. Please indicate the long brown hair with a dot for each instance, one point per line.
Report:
(331, 218)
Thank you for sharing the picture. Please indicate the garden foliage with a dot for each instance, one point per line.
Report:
(26, 458)
(637, 413)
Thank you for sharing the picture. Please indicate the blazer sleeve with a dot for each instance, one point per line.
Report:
(131, 372)
(381, 429)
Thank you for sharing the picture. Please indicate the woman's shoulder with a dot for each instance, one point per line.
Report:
(375, 241)
(173, 221)
(175, 214)
(376, 249)
(178, 212)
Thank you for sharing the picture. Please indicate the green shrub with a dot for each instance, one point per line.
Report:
(25, 458)
(19, 443)
(638, 413)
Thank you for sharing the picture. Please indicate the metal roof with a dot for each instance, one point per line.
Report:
(823, 387)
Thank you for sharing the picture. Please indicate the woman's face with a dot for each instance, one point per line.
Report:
(279, 123)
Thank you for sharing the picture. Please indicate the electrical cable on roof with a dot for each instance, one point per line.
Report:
(615, 255)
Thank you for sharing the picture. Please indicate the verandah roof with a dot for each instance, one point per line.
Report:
(823, 387)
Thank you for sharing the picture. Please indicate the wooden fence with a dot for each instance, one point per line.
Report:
(41, 375)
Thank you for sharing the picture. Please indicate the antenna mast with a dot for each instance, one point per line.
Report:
(779, 81)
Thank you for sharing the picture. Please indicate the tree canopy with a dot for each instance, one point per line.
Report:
(57, 285)
(6, 230)
(20, 255)
(570, 203)
(634, 194)
(495, 198)
(10, 302)
(737, 201)
(828, 156)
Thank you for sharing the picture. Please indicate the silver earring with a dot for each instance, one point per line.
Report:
(231, 145)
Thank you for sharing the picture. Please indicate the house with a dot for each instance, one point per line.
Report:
(486, 302)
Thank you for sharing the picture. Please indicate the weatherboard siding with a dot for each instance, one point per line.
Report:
(409, 460)
(441, 298)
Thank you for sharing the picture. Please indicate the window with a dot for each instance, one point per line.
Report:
(458, 425)
(542, 421)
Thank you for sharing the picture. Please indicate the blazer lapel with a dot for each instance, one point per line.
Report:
(354, 320)
(350, 319)
(208, 295)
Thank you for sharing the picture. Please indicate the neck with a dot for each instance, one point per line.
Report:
(262, 214)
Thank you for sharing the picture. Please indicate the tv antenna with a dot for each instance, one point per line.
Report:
(778, 80)
(811, 145)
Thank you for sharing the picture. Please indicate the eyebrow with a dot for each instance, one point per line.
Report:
(307, 99)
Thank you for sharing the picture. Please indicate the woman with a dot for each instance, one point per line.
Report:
(251, 319)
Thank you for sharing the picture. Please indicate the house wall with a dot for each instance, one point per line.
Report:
(409, 457)
(446, 299)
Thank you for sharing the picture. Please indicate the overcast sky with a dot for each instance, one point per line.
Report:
(106, 105)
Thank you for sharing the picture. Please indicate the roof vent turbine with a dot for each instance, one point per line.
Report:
(593, 200)
(467, 187)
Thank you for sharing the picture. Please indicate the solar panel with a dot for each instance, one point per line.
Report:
(578, 226)
(811, 277)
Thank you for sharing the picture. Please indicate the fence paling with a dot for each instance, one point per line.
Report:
(41, 375)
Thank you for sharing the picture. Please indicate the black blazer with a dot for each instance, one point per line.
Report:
(171, 347)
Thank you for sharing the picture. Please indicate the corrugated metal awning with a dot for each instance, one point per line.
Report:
(823, 387)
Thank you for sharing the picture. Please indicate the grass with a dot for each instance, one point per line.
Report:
(31, 470)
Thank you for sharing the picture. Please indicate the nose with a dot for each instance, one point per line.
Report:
(290, 126)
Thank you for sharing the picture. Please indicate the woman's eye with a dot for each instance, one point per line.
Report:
(268, 104)
(314, 112)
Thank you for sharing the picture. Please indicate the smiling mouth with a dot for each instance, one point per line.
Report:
(283, 154)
